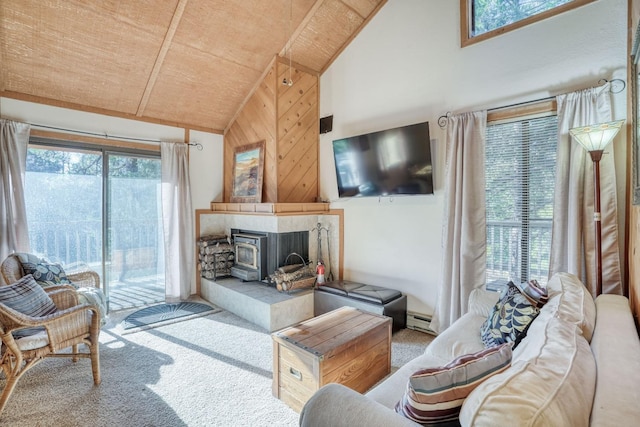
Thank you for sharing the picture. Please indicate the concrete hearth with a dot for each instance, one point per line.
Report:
(259, 303)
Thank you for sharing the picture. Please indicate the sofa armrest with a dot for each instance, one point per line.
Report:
(616, 348)
(481, 302)
(335, 405)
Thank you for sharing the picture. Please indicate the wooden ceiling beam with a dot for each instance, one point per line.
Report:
(111, 142)
(294, 35)
(353, 36)
(105, 112)
(253, 90)
(162, 53)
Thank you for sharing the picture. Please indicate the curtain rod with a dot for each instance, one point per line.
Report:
(442, 120)
(107, 136)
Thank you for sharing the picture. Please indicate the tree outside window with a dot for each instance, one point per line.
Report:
(484, 19)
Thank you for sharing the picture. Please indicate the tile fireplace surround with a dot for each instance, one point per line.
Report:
(256, 302)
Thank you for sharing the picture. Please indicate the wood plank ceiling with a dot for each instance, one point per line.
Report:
(190, 63)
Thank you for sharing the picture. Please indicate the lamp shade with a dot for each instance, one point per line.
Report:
(596, 137)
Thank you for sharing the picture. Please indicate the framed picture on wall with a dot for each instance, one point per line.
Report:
(248, 167)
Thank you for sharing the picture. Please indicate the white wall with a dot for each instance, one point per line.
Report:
(406, 66)
(205, 166)
(205, 169)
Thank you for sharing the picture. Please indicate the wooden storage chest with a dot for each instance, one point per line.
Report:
(347, 346)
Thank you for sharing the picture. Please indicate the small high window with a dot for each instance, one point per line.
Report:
(483, 19)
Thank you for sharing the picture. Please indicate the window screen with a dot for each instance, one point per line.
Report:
(520, 177)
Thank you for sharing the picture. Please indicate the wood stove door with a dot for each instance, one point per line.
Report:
(247, 255)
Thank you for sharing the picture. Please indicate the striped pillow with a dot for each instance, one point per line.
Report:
(27, 297)
(435, 396)
(535, 293)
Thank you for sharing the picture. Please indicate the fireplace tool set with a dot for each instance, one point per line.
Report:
(328, 275)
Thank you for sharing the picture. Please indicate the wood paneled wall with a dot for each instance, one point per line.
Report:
(287, 119)
(298, 136)
(254, 123)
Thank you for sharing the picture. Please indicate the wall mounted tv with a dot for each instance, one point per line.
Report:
(385, 163)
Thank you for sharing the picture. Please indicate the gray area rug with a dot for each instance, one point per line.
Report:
(214, 370)
(165, 312)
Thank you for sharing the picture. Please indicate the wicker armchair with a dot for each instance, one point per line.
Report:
(72, 324)
(12, 271)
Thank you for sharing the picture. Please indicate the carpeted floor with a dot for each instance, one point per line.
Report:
(214, 370)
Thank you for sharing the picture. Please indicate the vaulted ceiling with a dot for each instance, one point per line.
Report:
(190, 63)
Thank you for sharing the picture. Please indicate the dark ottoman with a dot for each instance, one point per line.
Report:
(375, 299)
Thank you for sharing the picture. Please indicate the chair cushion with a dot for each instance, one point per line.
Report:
(434, 396)
(33, 341)
(44, 272)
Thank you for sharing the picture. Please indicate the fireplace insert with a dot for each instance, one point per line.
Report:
(258, 254)
(251, 257)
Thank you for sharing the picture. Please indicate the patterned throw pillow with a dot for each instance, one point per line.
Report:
(27, 297)
(45, 273)
(435, 396)
(510, 318)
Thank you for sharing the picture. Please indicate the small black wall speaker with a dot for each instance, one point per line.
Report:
(326, 124)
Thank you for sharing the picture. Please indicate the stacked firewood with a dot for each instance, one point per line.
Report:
(215, 256)
(290, 277)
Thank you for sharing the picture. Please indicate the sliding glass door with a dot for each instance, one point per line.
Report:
(135, 267)
(99, 209)
(63, 192)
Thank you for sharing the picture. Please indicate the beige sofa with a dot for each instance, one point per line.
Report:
(579, 365)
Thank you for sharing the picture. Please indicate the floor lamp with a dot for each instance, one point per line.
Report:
(594, 138)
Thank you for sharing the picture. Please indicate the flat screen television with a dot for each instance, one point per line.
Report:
(385, 163)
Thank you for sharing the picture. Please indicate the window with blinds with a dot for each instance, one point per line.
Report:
(520, 177)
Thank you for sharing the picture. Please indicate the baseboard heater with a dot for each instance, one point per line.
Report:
(419, 322)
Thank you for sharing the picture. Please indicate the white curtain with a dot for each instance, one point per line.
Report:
(177, 218)
(464, 224)
(14, 236)
(573, 241)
